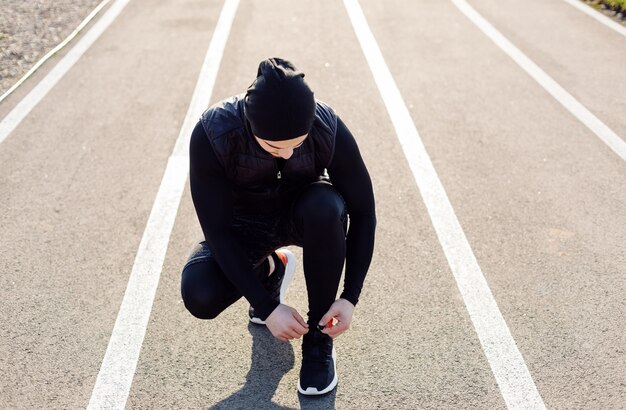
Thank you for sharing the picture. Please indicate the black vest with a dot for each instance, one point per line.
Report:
(259, 187)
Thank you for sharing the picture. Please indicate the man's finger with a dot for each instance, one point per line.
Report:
(336, 330)
(332, 331)
(298, 328)
(327, 317)
(299, 318)
(301, 330)
(292, 334)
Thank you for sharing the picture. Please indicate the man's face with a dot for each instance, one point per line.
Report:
(282, 149)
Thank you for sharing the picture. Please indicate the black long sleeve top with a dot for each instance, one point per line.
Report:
(211, 194)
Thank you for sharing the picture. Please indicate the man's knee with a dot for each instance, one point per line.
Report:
(198, 295)
(321, 204)
(199, 304)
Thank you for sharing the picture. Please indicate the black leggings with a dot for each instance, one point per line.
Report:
(317, 222)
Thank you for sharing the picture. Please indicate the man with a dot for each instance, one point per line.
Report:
(272, 168)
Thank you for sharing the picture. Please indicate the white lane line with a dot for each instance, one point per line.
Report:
(56, 49)
(515, 382)
(24, 107)
(120, 360)
(570, 103)
(590, 11)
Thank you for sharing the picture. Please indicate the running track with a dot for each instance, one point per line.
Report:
(494, 134)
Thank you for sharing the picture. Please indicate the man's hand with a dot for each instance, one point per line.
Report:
(285, 323)
(341, 310)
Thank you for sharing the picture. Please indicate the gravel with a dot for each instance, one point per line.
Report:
(611, 8)
(31, 28)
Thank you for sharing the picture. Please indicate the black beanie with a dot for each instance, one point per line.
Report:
(279, 104)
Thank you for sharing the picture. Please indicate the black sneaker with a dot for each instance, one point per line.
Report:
(278, 282)
(318, 374)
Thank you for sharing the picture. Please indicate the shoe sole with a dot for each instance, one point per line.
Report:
(289, 271)
(290, 268)
(312, 391)
(257, 321)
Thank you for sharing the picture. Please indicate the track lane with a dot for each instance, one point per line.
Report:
(78, 179)
(506, 362)
(583, 56)
(543, 214)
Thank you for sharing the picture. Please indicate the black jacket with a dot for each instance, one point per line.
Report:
(258, 184)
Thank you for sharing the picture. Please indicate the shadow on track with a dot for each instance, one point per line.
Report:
(271, 360)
